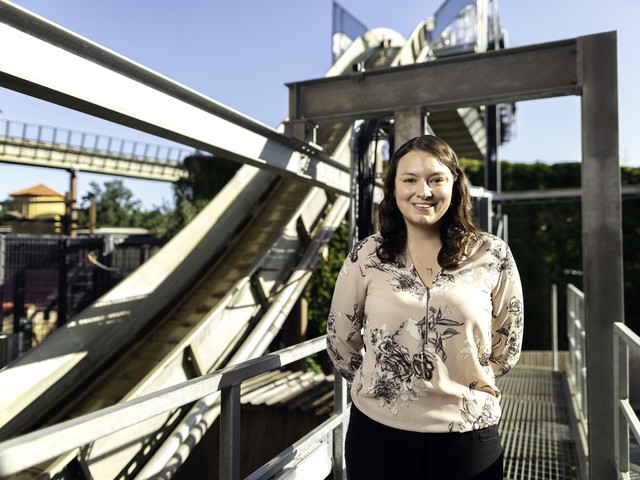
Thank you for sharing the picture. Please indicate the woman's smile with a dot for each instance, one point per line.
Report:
(423, 206)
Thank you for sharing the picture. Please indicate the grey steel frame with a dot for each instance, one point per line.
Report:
(584, 66)
(34, 448)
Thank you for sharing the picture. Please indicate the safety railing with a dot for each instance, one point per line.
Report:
(577, 371)
(40, 446)
(24, 134)
(625, 418)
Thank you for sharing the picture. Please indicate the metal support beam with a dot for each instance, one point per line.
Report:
(409, 123)
(601, 240)
(61, 67)
(550, 195)
(445, 84)
(492, 175)
(72, 205)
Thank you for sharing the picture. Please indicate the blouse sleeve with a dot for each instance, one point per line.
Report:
(346, 318)
(508, 315)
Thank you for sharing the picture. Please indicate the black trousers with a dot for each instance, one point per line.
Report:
(375, 451)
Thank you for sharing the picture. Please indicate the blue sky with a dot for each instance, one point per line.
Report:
(242, 52)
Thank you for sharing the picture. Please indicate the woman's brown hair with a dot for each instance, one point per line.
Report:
(458, 231)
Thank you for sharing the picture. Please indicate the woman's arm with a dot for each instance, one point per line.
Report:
(508, 315)
(346, 318)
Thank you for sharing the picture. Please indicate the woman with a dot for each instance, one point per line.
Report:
(425, 316)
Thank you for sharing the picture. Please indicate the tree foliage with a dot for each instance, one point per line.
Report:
(207, 176)
(116, 206)
(320, 288)
(546, 240)
(319, 291)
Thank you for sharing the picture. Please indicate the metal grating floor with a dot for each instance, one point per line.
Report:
(535, 428)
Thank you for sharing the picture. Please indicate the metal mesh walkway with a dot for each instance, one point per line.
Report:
(535, 428)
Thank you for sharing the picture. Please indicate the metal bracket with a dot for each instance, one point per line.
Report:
(258, 292)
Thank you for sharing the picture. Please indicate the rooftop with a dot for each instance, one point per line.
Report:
(39, 190)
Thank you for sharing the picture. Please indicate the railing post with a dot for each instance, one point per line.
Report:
(583, 373)
(230, 433)
(621, 393)
(340, 406)
(554, 326)
(576, 376)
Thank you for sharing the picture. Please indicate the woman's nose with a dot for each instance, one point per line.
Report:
(423, 189)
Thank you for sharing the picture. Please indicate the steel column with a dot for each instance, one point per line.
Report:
(601, 240)
(492, 174)
(409, 123)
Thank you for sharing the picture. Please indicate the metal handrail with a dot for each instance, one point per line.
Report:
(576, 332)
(577, 374)
(56, 138)
(624, 416)
(40, 446)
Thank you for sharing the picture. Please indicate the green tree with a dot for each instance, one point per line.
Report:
(319, 290)
(116, 204)
(474, 170)
(207, 176)
(5, 206)
(118, 207)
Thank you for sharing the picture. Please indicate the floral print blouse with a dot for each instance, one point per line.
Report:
(427, 359)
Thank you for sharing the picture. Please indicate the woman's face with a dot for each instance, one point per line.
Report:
(423, 189)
